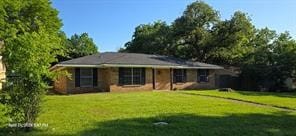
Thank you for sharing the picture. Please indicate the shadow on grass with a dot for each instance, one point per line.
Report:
(188, 124)
(278, 94)
(257, 93)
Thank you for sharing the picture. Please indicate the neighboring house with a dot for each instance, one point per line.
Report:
(2, 72)
(116, 72)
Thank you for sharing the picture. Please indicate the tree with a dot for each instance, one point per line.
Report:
(192, 31)
(232, 39)
(150, 39)
(264, 56)
(189, 36)
(272, 61)
(30, 32)
(76, 46)
(80, 45)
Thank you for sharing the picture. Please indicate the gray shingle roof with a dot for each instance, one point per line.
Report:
(134, 59)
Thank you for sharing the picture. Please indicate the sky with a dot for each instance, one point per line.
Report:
(111, 23)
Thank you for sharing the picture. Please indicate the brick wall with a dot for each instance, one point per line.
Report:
(115, 87)
(162, 78)
(192, 81)
(66, 84)
(108, 81)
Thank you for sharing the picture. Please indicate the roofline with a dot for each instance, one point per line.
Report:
(131, 65)
(73, 65)
(159, 66)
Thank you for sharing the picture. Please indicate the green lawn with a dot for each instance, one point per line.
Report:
(187, 114)
(287, 100)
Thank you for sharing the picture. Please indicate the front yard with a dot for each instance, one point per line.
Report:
(186, 112)
(284, 100)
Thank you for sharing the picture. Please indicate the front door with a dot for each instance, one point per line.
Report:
(162, 79)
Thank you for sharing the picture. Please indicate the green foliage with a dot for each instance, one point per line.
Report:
(200, 35)
(78, 46)
(191, 32)
(30, 32)
(232, 40)
(149, 39)
(273, 60)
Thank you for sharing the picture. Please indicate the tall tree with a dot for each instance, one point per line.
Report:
(30, 32)
(232, 39)
(272, 61)
(80, 45)
(150, 39)
(192, 31)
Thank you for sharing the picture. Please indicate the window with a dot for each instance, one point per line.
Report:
(179, 75)
(86, 77)
(131, 76)
(203, 75)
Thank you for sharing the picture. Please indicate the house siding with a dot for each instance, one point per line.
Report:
(192, 83)
(65, 84)
(107, 79)
(163, 79)
(60, 84)
(115, 87)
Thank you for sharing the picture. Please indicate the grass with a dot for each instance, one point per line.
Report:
(285, 100)
(134, 114)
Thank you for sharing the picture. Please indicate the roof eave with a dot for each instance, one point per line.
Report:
(133, 65)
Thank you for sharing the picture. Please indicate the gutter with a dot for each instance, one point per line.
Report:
(124, 65)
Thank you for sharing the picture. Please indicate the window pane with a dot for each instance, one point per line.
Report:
(136, 80)
(137, 71)
(203, 75)
(131, 76)
(85, 72)
(127, 80)
(179, 78)
(137, 75)
(203, 72)
(127, 71)
(86, 77)
(177, 72)
(203, 78)
(86, 82)
(179, 75)
(127, 76)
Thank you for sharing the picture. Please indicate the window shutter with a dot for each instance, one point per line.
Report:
(143, 75)
(120, 76)
(207, 73)
(95, 77)
(185, 75)
(198, 75)
(77, 77)
(174, 75)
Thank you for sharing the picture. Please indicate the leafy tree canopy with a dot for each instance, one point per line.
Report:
(150, 39)
(30, 33)
(77, 46)
(199, 34)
